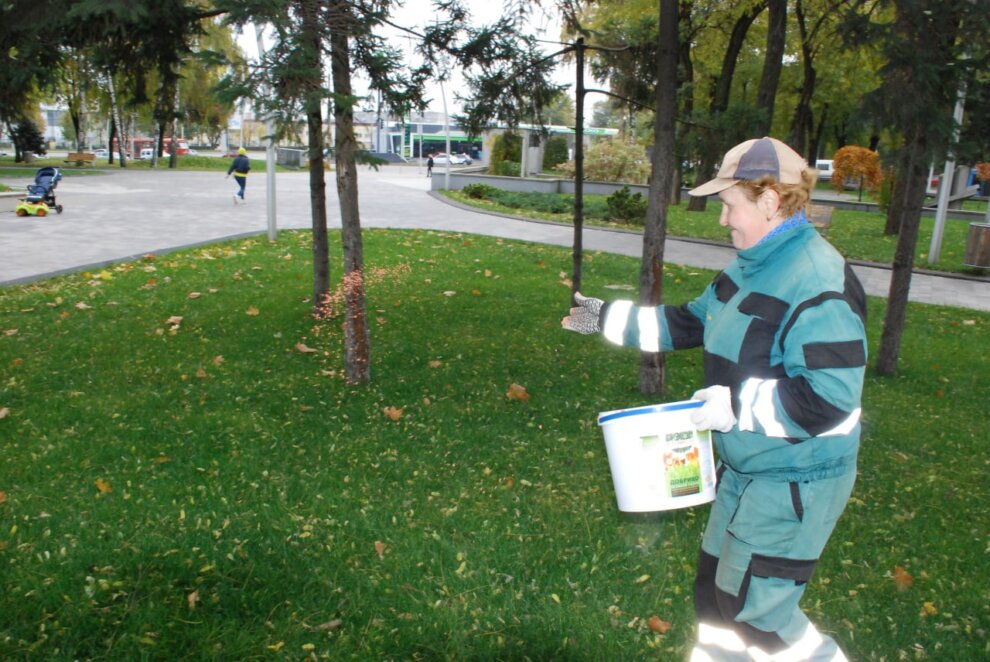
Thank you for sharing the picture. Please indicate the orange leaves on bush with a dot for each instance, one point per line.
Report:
(103, 486)
(854, 162)
(902, 580)
(517, 392)
(392, 413)
(658, 625)
(983, 171)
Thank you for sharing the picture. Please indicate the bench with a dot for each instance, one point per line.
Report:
(820, 216)
(81, 158)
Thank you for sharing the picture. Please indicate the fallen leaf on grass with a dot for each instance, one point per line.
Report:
(3, 497)
(517, 392)
(4, 412)
(192, 599)
(380, 548)
(194, 295)
(10, 332)
(392, 413)
(103, 486)
(329, 626)
(252, 311)
(82, 305)
(902, 580)
(302, 347)
(174, 320)
(218, 360)
(658, 625)
(200, 373)
(276, 647)
(929, 609)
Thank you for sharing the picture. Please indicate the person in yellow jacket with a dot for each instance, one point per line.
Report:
(240, 168)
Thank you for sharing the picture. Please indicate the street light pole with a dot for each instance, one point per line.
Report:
(578, 167)
(269, 155)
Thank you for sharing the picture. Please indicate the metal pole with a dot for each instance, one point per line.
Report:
(269, 155)
(578, 167)
(446, 131)
(945, 184)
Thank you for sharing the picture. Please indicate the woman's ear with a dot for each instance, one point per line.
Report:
(769, 202)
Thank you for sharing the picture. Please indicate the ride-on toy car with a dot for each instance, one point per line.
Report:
(41, 195)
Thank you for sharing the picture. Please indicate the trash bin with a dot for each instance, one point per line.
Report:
(978, 246)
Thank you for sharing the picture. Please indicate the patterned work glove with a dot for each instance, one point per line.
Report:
(584, 318)
(716, 413)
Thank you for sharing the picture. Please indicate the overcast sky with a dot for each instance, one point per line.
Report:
(416, 13)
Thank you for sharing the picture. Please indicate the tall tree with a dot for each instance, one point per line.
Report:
(931, 46)
(773, 62)
(357, 340)
(712, 129)
(651, 373)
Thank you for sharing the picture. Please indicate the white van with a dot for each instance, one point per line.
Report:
(824, 170)
(147, 153)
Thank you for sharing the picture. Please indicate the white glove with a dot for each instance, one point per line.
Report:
(585, 317)
(716, 413)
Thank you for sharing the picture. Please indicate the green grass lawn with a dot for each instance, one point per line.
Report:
(857, 235)
(186, 475)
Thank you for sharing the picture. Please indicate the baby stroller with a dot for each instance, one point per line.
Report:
(41, 195)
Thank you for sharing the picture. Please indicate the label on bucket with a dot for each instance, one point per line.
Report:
(658, 460)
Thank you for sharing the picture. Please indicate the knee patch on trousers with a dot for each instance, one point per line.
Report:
(771, 588)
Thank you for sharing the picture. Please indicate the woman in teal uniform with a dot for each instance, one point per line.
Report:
(783, 329)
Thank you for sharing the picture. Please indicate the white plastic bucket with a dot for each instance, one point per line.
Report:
(659, 461)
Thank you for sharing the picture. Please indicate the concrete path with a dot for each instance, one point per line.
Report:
(124, 214)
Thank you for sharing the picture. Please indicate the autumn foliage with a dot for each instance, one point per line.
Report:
(983, 171)
(857, 164)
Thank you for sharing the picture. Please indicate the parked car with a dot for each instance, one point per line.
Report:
(825, 170)
(101, 153)
(453, 159)
(147, 154)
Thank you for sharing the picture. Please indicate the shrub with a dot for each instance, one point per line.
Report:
(625, 206)
(479, 191)
(506, 147)
(612, 161)
(27, 137)
(555, 153)
(505, 168)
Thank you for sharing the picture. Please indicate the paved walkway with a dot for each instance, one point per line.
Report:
(124, 214)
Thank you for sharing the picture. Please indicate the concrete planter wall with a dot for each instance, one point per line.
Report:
(461, 178)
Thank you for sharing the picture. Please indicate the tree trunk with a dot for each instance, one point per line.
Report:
(773, 62)
(651, 372)
(913, 173)
(113, 136)
(802, 123)
(712, 148)
(118, 127)
(895, 209)
(357, 344)
(173, 154)
(317, 183)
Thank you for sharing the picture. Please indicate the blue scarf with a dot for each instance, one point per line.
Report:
(800, 218)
